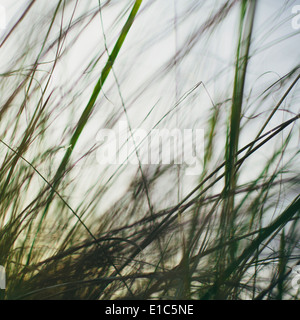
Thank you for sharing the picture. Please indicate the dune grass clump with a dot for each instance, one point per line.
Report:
(73, 228)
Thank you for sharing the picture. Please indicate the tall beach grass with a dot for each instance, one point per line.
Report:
(73, 228)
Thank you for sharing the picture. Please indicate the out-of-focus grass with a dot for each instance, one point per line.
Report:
(72, 229)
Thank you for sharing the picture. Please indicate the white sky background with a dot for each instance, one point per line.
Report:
(149, 45)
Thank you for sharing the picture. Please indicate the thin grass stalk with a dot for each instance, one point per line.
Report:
(247, 14)
(88, 110)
